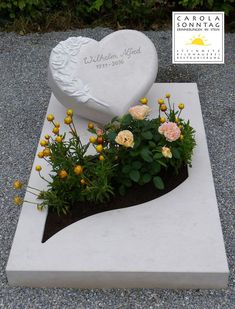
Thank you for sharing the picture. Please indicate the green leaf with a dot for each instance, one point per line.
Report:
(114, 119)
(137, 142)
(126, 119)
(96, 5)
(111, 136)
(134, 153)
(21, 4)
(157, 156)
(126, 169)
(147, 135)
(157, 137)
(146, 155)
(136, 165)
(155, 167)
(146, 178)
(162, 163)
(135, 175)
(158, 183)
(122, 190)
(175, 153)
(152, 144)
(127, 183)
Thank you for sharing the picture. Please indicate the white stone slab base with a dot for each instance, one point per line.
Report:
(174, 241)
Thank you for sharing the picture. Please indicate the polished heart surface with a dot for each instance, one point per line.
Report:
(100, 80)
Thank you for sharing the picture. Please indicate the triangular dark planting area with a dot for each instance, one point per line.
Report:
(136, 195)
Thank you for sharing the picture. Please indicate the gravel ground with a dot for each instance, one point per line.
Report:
(23, 103)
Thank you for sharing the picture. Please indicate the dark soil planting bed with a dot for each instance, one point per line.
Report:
(135, 196)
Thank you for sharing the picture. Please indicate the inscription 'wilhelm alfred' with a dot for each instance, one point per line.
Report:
(126, 53)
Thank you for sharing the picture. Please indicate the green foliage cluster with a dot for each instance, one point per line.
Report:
(144, 162)
(109, 164)
(217, 5)
(117, 12)
(91, 183)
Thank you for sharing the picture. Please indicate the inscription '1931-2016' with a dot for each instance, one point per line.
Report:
(103, 61)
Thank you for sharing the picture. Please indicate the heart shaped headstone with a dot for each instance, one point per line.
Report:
(100, 80)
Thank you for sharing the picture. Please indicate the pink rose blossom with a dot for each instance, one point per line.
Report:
(170, 131)
(139, 112)
(99, 132)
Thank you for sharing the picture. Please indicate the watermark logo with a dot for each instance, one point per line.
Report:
(198, 37)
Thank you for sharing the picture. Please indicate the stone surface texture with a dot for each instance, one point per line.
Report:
(174, 241)
(98, 78)
(23, 103)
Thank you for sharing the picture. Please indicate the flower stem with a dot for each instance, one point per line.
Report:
(25, 201)
(31, 192)
(33, 188)
(43, 177)
(169, 103)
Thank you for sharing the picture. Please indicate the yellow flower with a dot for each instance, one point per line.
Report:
(90, 125)
(99, 148)
(180, 126)
(160, 101)
(83, 181)
(176, 119)
(69, 112)
(125, 138)
(101, 158)
(181, 106)
(181, 137)
(44, 143)
(50, 117)
(168, 95)
(163, 107)
(17, 184)
(162, 119)
(78, 169)
(46, 152)
(68, 120)
(55, 130)
(40, 154)
(47, 136)
(57, 124)
(38, 168)
(17, 200)
(92, 139)
(144, 100)
(58, 139)
(166, 152)
(63, 174)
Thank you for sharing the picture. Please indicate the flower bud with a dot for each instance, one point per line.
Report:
(78, 169)
(50, 117)
(38, 168)
(99, 148)
(62, 174)
(143, 100)
(68, 120)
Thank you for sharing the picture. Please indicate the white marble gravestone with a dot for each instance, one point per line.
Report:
(100, 80)
(174, 241)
